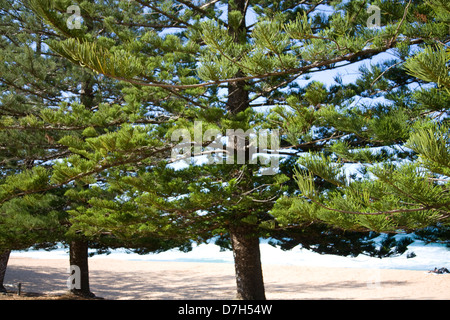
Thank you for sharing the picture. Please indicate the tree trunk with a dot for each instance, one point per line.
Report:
(79, 259)
(79, 248)
(237, 95)
(4, 257)
(247, 262)
(244, 238)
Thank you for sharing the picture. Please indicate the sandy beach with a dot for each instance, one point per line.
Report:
(137, 280)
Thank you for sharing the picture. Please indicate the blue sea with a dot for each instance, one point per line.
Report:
(427, 257)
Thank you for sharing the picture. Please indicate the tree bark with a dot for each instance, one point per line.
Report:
(79, 247)
(4, 257)
(237, 94)
(247, 262)
(244, 237)
(79, 257)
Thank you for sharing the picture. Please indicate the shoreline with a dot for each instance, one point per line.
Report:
(157, 280)
(426, 257)
(201, 261)
(351, 264)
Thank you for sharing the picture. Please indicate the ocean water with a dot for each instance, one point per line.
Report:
(427, 257)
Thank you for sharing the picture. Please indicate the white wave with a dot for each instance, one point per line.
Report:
(427, 257)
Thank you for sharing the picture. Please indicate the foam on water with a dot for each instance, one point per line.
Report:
(427, 257)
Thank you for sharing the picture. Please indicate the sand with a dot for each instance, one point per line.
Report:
(138, 280)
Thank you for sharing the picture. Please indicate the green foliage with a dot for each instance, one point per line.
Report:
(102, 102)
(388, 197)
(431, 65)
(116, 64)
(433, 146)
(30, 220)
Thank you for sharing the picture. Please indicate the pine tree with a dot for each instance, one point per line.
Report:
(182, 62)
(36, 219)
(401, 147)
(44, 100)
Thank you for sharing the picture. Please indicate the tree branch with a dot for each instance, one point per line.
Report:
(316, 64)
(423, 208)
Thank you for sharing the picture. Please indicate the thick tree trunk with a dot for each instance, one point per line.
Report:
(4, 257)
(247, 262)
(244, 237)
(79, 259)
(79, 248)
